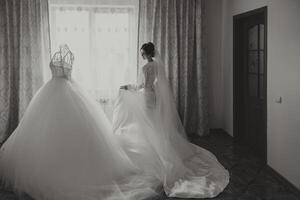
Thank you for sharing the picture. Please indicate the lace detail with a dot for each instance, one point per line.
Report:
(149, 76)
(61, 62)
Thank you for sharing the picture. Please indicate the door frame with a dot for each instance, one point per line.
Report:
(237, 89)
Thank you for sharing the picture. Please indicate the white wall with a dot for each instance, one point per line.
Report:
(283, 121)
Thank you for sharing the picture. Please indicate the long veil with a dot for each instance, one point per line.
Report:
(199, 174)
(166, 112)
(165, 103)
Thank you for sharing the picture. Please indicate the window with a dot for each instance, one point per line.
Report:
(103, 38)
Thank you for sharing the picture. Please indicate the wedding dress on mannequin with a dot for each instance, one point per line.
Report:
(64, 147)
(147, 123)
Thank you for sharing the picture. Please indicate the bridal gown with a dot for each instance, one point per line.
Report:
(64, 147)
(147, 123)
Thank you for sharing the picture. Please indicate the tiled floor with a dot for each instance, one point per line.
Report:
(249, 180)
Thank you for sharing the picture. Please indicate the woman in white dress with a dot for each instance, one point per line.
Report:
(147, 123)
(64, 147)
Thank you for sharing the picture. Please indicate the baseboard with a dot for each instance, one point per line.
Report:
(219, 130)
(216, 130)
(284, 181)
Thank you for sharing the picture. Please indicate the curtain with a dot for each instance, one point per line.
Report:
(24, 50)
(177, 28)
(103, 38)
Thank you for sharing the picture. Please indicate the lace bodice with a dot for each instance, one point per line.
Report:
(61, 63)
(149, 76)
(61, 70)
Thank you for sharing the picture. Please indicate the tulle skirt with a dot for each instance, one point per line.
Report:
(184, 169)
(64, 149)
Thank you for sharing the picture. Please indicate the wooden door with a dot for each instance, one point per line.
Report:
(250, 85)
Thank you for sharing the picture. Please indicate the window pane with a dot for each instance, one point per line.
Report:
(104, 42)
(70, 25)
(261, 87)
(252, 61)
(261, 62)
(111, 49)
(252, 85)
(253, 38)
(261, 36)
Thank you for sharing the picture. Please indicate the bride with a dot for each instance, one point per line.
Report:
(64, 147)
(150, 131)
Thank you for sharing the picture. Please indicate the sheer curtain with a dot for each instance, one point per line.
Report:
(178, 29)
(24, 50)
(103, 37)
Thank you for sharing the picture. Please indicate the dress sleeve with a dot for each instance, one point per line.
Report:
(147, 78)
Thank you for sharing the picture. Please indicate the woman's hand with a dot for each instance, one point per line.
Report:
(124, 87)
(129, 87)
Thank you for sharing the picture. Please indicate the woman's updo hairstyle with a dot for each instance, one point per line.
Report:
(149, 48)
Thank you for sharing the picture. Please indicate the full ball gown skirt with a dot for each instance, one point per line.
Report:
(64, 149)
